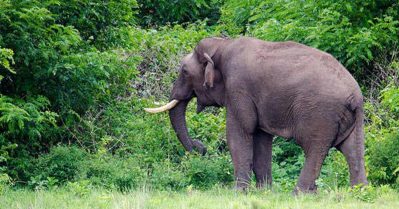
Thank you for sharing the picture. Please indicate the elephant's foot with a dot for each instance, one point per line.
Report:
(262, 160)
(264, 184)
(242, 185)
(314, 157)
(305, 190)
(241, 189)
(260, 185)
(353, 150)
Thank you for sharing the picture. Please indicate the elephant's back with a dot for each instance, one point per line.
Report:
(287, 65)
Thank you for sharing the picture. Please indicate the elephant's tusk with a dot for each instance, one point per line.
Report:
(168, 106)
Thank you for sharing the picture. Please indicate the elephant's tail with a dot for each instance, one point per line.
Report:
(355, 106)
(359, 129)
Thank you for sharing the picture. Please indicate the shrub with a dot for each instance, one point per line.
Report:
(161, 12)
(235, 16)
(207, 172)
(6, 59)
(383, 135)
(193, 171)
(335, 172)
(25, 125)
(383, 159)
(107, 171)
(54, 73)
(101, 77)
(62, 164)
(51, 57)
(382, 141)
(79, 188)
(287, 163)
(5, 182)
(166, 175)
(390, 99)
(95, 20)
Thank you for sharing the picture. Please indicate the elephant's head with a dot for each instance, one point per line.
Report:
(199, 77)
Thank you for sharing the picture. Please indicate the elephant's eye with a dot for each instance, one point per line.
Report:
(184, 71)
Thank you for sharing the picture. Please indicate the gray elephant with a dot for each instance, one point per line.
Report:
(272, 89)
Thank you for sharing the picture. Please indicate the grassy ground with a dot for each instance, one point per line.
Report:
(217, 198)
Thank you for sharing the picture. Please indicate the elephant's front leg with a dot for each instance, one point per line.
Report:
(240, 142)
(262, 160)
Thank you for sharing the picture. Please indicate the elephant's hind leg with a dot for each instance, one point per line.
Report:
(262, 159)
(353, 150)
(315, 153)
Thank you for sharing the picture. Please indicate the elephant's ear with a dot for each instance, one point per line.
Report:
(205, 51)
(208, 46)
(209, 71)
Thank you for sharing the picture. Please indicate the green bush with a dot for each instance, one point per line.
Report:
(235, 15)
(62, 164)
(5, 182)
(288, 159)
(102, 76)
(207, 172)
(390, 99)
(52, 57)
(6, 59)
(107, 171)
(51, 74)
(167, 175)
(26, 126)
(383, 160)
(161, 12)
(193, 171)
(95, 20)
(383, 140)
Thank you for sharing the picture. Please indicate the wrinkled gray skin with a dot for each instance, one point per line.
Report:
(273, 89)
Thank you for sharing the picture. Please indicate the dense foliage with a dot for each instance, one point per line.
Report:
(75, 76)
(160, 12)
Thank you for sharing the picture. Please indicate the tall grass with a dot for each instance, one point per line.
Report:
(216, 198)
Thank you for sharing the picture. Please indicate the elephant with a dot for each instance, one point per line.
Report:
(269, 89)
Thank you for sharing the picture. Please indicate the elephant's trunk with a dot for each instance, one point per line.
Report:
(177, 117)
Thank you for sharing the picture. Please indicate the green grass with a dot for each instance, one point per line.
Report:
(216, 198)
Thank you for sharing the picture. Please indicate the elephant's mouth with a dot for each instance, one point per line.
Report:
(200, 107)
